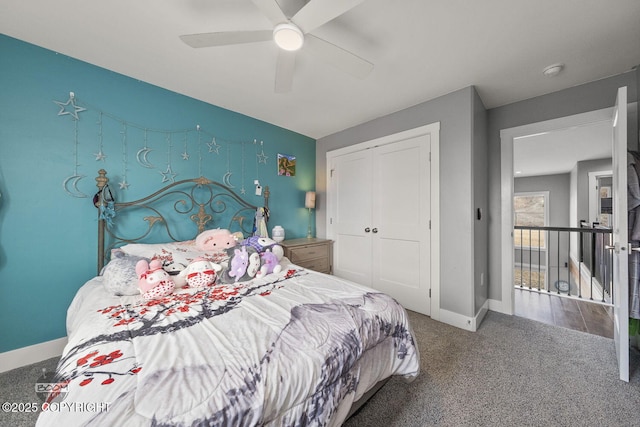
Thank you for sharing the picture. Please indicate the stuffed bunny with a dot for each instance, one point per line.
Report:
(153, 281)
(239, 263)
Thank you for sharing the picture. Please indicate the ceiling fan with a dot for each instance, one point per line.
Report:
(290, 35)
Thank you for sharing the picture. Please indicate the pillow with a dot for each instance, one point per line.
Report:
(120, 276)
(171, 253)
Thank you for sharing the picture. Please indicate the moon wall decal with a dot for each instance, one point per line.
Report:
(141, 157)
(73, 190)
(226, 179)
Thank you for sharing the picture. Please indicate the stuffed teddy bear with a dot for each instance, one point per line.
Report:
(153, 281)
(216, 240)
(200, 273)
(270, 264)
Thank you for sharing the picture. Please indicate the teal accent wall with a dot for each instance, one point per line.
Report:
(48, 239)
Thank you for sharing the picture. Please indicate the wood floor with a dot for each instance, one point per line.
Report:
(569, 313)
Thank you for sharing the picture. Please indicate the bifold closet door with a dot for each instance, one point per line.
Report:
(400, 222)
(381, 201)
(351, 179)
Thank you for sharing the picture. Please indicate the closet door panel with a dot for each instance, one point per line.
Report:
(351, 188)
(400, 214)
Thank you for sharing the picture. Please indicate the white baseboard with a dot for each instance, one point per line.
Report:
(480, 316)
(457, 320)
(34, 353)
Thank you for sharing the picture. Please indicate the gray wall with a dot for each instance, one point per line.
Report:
(579, 99)
(559, 189)
(480, 153)
(455, 112)
(583, 170)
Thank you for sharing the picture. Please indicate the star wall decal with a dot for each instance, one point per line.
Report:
(168, 175)
(213, 146)
(262, 158)
(70, 108)
(185, 156)
(100, 156)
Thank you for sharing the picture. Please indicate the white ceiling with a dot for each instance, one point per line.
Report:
(421, 50)
(558, 151)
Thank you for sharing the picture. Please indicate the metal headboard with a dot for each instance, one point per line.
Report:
(201, 199)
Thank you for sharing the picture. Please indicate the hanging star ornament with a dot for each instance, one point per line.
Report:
(70, 108)
(168, 175)
(100, 156)
(262, 158)
(124, 185)
(185, 156)
(213, 146)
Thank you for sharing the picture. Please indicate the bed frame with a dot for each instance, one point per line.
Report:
(206, 203)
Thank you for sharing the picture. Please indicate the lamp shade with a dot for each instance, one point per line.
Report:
(310, 200)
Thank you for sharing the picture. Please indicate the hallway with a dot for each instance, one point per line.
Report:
(569, 313)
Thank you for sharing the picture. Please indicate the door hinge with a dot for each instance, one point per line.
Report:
(429, 292)
(331, 173)
(429, 224)
(429, 155)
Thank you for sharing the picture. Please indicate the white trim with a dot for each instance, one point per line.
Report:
(465, 322)
(457, 320)
(506, 178)
(433, 130)
(497, 306)
(32, 354)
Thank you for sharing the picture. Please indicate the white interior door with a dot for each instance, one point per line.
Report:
(350, 189)
(400, 222)
(620, 235)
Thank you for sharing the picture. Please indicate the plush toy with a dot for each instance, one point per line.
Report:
(174, 269)
(270, 264)
(260, 244)
(200, 273)
(254, 265)
(239, 263)
(216, 240)
(153, 281)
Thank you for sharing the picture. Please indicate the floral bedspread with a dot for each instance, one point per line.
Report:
(293, 348)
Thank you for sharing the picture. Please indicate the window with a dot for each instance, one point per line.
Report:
(530, 210)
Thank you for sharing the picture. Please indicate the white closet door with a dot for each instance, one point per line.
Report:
(351, 176)
(400, 223)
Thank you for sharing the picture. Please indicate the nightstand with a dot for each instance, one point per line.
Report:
(314, 254)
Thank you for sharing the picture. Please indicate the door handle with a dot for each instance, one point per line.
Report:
(366, 230)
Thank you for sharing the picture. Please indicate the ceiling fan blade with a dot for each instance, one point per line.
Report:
(284, 71)
(226, 38)
(338, 57)
(319, 12)
(271, 10)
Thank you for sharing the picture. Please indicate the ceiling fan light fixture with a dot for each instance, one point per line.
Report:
(288, 37)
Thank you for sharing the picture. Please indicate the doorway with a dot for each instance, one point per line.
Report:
(512, 162)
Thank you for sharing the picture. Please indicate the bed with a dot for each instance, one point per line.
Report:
(291, 348)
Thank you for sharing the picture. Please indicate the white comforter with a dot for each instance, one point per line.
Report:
(294, 348)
